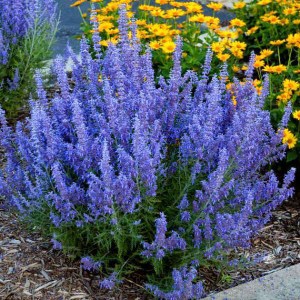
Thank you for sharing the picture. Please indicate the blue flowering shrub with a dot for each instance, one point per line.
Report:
(27, 30)
(128, 172)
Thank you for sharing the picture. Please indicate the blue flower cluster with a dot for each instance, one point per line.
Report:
(115, 148)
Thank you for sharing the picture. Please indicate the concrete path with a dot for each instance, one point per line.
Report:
(280, 285)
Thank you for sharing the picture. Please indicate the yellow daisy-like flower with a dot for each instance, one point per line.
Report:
(252, 30)
(140, 22)
(265, 53)
(235, 68)
(284, 21)
(294, 39)
(275, 69)
(174, 13)
(162, 2)
(258, 63)
(192, 7)
(155, 45)
(223, 56)
(291, 85)
(176, 4)
(215, 6)
(168, 47)
(104, 26)
(199, 18)
(277, 42)
(237, 53)
(105, 43)
(217, 47)
(289, 11)
(289, 138)
(239, 5)
(77, 3)
(264, 2)
(296, 114)
(237, 23)
(284, 97)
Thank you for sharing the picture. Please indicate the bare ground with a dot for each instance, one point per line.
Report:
(30, 269)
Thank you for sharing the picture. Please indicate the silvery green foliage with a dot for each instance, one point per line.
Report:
(27, 30)
(117, 153)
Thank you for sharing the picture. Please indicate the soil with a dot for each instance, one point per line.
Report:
(31, 269)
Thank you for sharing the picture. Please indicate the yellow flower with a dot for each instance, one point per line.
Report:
(273, 20)
(239, 5)
(235, 68)
(251, 30)
(112, 31)
(264, 2)
(211, 20)
(283, 22)
(105, 43)
(162, 2)
(227, 34)
(200, 18)
(257, 85)
(268, 69)
(291, 85)
(284, 97)
(234, 102)
(176, 4)
(265, 53)
(192, 7)
(258, 63)
(238, 45)
(296, 114)
(275, 69)
(104, 26)
(168, 47)
(294, 39)
(157, 13)
(155, 45)
(289, 11)
(174, 13)
(237, 23)
(289, 138)
(223, 56)
(77, 3)
(279, 69)
(296, 22)
(217, 47)
(215, 6)
(277, 42)
(237, 53)
(141, 22)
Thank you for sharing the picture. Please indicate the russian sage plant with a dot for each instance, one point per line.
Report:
(128, 172)
(27, 30)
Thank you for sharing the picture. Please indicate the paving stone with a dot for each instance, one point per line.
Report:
(280, 285)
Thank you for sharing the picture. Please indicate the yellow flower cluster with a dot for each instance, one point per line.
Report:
(289, 138)
(289, 87)
(156, 23)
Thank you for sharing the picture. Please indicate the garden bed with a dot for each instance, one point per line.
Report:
(30, 268)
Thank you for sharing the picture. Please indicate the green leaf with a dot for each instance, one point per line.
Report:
(291, 155)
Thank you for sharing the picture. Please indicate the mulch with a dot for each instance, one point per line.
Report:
(31, 269)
